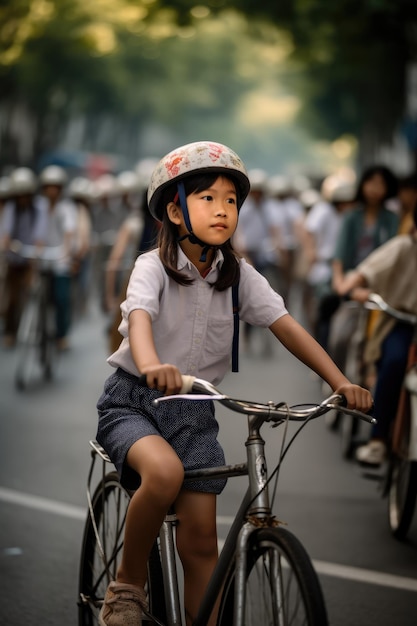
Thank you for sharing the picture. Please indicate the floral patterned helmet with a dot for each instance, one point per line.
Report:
(193, 158)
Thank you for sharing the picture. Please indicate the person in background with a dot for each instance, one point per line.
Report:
(80, 191)
(389, 271)
(407, 199)
(22, 223)
(321, 227)
(60, 233)
(108, 215)
(364, 228)
(258, 237)
(137, 234)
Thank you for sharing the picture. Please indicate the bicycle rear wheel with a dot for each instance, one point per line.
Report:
(402, 495)
(102, 551)
(281, 584)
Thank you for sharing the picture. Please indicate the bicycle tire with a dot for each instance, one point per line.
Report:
(290, 594)
(28, 339)
(109, 503)
(402, 496)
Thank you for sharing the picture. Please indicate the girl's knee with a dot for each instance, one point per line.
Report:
(164, 479)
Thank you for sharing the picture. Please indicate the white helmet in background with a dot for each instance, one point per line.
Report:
(53, 175)
(309, 197)
(144, 169)
(258, 179)
(278, 185)
(203, 157)
(22, 181)
(106, 186)
(300, 183)
(343, 191)
(128, 182)
(81, 188)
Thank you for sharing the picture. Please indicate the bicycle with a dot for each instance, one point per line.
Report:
(36, 331)
(264, 574)
(353, 368)
(401, 476)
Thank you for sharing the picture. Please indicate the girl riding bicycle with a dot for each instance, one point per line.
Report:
(178, 319)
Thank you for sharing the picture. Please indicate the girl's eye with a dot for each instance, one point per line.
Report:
(231, 201)
(207, 197)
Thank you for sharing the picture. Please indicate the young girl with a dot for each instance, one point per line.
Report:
(178, 319)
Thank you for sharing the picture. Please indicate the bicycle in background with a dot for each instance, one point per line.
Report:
(401, 475)
(37, 327)
(264, 574)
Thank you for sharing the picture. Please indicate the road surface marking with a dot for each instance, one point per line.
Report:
(347, 572)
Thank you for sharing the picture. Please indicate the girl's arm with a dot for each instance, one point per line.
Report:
(300, 343)
(162, 376)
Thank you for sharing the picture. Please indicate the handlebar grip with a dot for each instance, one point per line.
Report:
(187, 382)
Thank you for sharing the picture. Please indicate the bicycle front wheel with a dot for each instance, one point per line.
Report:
(281, 588)
(28, 342)
(402, 496)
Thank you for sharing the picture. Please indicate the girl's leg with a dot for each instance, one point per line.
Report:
(162, 475)
(197, 547)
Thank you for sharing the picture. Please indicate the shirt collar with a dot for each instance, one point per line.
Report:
(184, 261)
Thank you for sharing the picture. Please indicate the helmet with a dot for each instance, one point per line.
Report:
(343, 191)
(4, 187)
(258, 179)
(278, 185)
(22, 181)
(144, 169)
(194, 158)
(81, 188)
(309, 197)
(106, 185)
(128, 182)
(53, 175)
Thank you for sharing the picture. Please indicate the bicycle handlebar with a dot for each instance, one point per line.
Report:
(37, 253)
(410, 318)
(199, 389)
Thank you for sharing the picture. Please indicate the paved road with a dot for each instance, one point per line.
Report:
(368, 578)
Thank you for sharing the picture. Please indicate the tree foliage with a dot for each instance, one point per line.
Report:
(128, 64)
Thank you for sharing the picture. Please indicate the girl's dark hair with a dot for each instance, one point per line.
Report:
(168, 237)
(389, 178)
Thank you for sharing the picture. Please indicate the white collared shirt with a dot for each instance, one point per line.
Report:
(193, 324)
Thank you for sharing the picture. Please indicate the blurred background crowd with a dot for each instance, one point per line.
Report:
(319, 100)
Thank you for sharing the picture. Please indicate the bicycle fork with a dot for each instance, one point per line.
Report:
(259, 514)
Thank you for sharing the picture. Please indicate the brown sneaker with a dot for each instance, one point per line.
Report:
(122, 605)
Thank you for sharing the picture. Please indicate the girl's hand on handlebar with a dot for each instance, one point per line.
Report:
(356, 397)
(164, 377)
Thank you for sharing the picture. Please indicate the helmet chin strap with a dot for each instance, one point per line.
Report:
(193, 239)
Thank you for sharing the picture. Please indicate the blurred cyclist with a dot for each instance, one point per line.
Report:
(21, 222)
(60, 228)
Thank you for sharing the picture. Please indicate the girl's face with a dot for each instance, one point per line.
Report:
(213, 212)
(374, 190)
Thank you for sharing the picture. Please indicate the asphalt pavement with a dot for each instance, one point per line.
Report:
(368, 577)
